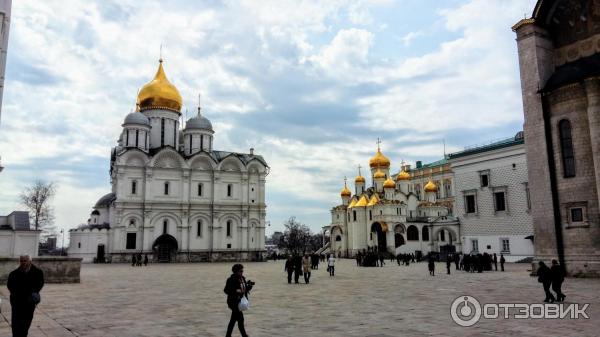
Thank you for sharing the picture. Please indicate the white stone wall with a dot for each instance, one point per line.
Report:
(17, 243)
(84, 243)
(507, 172)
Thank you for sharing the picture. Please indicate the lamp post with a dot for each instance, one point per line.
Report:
(62, 251)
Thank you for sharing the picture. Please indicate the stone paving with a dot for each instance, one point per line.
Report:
(188, 300)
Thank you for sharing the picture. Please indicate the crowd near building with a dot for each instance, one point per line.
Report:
(173, 196)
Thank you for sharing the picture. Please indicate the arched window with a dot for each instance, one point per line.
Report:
(425, 234)
(442, 235)
(412, 233)
(200, 188)
(167, 188)
(165, 226)
(133, 187)
(228, 227)
(199, 228)
(229, 190)
(338, 238)
(566, 148)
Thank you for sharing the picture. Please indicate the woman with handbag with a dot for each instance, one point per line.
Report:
(237, 288)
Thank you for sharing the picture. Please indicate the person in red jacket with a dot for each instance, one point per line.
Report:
(24, 284)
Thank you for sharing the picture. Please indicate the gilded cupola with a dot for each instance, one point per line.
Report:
(359, 179)
(379, 175)
(159, 93)
(430, 187)
(403, 175)
(379, 160)
(346, 192)
(389, 183)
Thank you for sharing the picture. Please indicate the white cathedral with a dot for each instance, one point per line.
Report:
(173, 196)
(389, 217)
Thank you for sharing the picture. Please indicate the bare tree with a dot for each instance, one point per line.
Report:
(296, 237)
(37, 200)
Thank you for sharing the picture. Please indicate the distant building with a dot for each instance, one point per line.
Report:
(492, 199)
(559, 58)
(16, 236)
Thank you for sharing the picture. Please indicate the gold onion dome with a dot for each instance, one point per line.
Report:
(379, 160)
(430, 187)
(159, 93)
(403, 175)
(389, 183)
(345, 192)
(359, 179)
(379, 175)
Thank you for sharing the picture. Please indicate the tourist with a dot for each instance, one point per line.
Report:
(358, 258)
(331, 265)
(236, 287)
(495, 262)
(431, 265)
(448, 263)
(306, 268)
(381, 260)
(297, 260)
(456, 261)
(145, 259)
(289, 267)
(558, 276)
(24, 284)
(133, 260)
(545, 278)
(502, 260)
(139, 260)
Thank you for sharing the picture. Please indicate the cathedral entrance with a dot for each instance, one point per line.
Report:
(165, 248)
(100, 254)
(380, 230)
(398, 237)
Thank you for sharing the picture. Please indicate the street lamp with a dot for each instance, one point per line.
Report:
(62, 252)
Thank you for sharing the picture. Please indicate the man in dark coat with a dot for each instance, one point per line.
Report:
(557, 273)
(289, 268)
(24, 284)
(236, 287)
(297, 267)
(545, 278)
(502, 260)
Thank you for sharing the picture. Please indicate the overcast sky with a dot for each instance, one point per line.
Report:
(310, 85)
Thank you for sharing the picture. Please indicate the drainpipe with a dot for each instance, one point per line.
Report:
(553, 184)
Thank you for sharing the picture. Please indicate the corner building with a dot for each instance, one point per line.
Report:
(559, 58)
(173, 196)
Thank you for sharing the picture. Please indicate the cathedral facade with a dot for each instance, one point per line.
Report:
(173, 196)
(398, 213)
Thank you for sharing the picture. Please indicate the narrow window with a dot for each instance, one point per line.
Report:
(229, 190)
(202, 142)
(484, 180)
(200, 188)
(566, 147)
(175, 135)
(228, 227)
(165, 226)
(199, 228)
(442, 235)
(505, 245)
(425, 233)
(146, 141)
(190, 140)
(354, 215)
(162, 132)
(137, 134)
(133, 187)
(475, 245)
(131, 238)
(499, 201)
(126, 138)
(79, 245)
(470, 204)
(370, 215)
(167, 188)
(577, 214)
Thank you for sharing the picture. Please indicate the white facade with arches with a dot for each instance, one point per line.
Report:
(173, 196)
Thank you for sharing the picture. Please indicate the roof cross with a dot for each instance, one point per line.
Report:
(378, 143)
(359, 169)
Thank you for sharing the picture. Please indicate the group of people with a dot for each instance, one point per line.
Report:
(405, 259)
(468, 262)
(136, 260)
(297, 266)
(553, 276)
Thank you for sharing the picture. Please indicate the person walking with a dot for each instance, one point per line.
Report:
(381, 260)
(456, 261)
(139, 260)
(24, 285)
(557, 273)
(145, 260)
(448, 264)
(331, 265)
(306, 268)
(495, 262)
(289, 267)
(431, 265)
(545, 278)
(297, 268)
(236, 287)
(133, 260)
(502, 260)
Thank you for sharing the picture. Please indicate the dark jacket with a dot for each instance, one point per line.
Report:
(557, 273)
(21, 285)
(231, 286)
(544, 274)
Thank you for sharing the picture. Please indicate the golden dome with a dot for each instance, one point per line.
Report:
(430, 187)
(345, 192)
(374, 200)
(389, 183)
(379, 160)
(359, 179)
(379, 175)
(159, 93)
(403, 175)
(362, 202)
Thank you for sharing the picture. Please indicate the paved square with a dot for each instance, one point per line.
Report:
(188, 300)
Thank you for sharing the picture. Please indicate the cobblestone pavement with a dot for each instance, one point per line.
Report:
(188, 300)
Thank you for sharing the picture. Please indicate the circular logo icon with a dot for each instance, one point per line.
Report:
(465, 310)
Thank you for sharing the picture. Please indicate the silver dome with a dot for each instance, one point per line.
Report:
(198, 122)
(106, 200)
(137, 118)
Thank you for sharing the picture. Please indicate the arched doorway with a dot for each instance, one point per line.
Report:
(398, 237)
(380, 230)
(165, 248)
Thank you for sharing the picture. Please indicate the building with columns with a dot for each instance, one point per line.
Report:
(173, 196)
(389, 217)
(559, 59)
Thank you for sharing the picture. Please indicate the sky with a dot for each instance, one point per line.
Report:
(311, 85)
